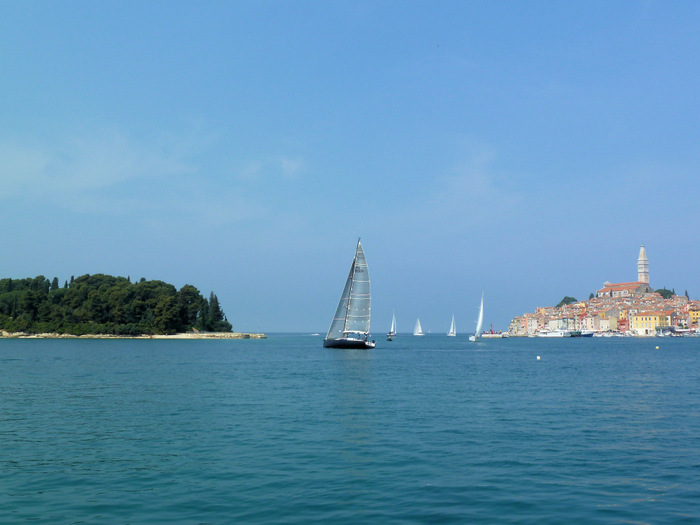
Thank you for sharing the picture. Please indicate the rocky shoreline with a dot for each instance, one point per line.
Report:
(188, 335)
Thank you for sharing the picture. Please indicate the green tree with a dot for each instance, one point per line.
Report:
(190, 303)
(663, 292)
(29, 304)
(219, 323)
(566, 300)
(147, 322)
(203, 318)
(5, 285)
(167, 315)
(106, 304)
(40, 283)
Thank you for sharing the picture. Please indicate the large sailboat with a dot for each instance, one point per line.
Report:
(417, 330)
(392, 331)
(350, 325)
(479, 322)
(453, 330)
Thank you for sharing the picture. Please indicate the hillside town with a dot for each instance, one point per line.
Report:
(617, 309)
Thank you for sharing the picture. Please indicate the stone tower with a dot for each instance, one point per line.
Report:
(643, 266)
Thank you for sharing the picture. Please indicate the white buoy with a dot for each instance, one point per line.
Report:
(657, 347)
(538, 357)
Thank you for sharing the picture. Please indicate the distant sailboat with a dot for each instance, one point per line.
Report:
(479, 322)
(392, 330)
(350, 325)
(418, 330)
(453, 330)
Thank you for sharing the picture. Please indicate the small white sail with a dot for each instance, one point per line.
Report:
(479, 322)
(453, 330)
(418, 330)
(392, 330)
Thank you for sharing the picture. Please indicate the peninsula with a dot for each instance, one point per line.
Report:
(106, 306)
(629, 308)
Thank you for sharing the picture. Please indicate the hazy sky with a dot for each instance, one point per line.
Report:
(525, 149)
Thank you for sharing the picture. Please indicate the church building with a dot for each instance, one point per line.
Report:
(631, 289)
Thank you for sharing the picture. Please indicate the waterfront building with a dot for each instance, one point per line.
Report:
(590, 322)
(623, 325)
(650, 322)
(631, 307)
(557, 323)
(679, 320)
(532, 324)
(694, 315)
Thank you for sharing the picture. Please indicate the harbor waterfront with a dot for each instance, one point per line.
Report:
(427, 429)
(617, 309)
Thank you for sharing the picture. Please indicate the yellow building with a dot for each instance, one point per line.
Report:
(694, 316)
(648, 323)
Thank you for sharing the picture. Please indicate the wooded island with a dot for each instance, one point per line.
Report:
(103, 304)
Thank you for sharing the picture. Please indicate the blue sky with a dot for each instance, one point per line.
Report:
(525, 149)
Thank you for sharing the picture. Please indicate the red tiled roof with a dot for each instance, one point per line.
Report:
(622, 286)
(654, 313)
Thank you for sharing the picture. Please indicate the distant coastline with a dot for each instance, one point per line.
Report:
(187, 335)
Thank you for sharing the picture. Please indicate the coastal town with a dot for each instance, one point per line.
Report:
(616, 310)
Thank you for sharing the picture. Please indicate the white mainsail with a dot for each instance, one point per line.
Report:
(392, 330)
(351, 320)
(418, 330)
(453, 330)
(479, 321)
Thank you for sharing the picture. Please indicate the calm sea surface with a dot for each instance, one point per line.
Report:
(419, 430)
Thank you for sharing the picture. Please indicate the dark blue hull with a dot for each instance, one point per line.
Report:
(361, 344)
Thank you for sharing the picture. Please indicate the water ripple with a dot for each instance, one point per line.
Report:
(282, 431)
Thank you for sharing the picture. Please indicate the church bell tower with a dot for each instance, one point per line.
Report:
(643, 266)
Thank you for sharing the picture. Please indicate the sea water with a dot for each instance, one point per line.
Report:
(419, 430)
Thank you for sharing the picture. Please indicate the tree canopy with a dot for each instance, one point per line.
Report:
(103, 304)
(566, 300)
(666, 294)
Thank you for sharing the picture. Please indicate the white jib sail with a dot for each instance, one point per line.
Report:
(480, 320)
(453, 330)
(418, 330)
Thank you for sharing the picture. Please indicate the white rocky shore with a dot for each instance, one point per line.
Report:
(187, 335)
